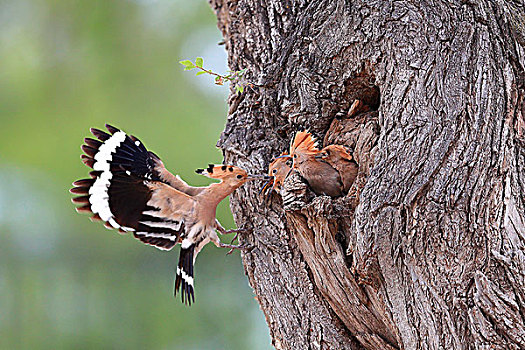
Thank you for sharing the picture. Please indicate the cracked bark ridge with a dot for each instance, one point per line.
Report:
(435, 246)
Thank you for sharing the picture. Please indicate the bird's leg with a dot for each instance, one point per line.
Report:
(237, 231)
(234, 237)
(215, 239)
(224, 231)
(233, 247)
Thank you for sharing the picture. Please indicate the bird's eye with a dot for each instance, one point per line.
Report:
(239, 176)
(274, 171)
(295, 156)
(327, 152)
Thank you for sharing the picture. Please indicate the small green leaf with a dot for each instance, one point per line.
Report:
(217, 79)
(188, 68)
(200, 73)
(239, 88)
(199, 61)
(187, 63)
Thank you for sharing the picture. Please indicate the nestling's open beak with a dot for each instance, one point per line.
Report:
(267, 183)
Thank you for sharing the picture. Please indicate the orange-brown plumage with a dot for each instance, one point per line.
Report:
(341, 160)
(321, 176)
(278, 170)
(131, 190)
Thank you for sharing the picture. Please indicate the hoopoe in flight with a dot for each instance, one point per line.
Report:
(321, 176)
(339, 158)
(131, 190)
(278, 170)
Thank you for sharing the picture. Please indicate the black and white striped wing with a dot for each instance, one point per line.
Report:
(125, 191)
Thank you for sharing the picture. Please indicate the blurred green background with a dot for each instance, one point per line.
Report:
(68, 283)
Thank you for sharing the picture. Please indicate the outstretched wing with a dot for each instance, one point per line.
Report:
(127, 192)
(134, 156)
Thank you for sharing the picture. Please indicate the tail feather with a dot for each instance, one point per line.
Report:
(184, 277)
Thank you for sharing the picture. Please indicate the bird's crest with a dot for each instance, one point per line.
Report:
(305, 142)
(222, 171)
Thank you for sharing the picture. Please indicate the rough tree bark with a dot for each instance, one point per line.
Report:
(428, 251)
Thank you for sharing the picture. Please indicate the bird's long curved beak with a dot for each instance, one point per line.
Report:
(284, 156)
(258, 177)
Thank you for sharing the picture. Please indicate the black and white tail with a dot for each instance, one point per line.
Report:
(118, 192)
(184, 275)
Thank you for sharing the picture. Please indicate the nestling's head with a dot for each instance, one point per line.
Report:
(278, 169)
(334, 154)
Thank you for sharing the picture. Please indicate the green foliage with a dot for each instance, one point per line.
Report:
(235, 77)
(188, 65)
(199, 62)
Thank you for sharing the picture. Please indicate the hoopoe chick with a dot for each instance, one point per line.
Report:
(321, 176)
(278, 170)
(131, 190)
(339, 158)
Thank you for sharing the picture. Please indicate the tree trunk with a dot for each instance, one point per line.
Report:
(427, 251)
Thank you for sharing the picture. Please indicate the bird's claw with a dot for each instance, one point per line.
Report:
(234, 237)
(233, 247)
(237, 231)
